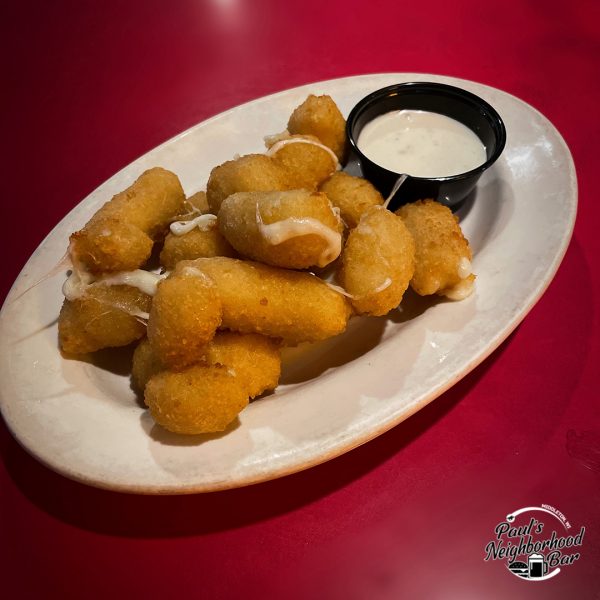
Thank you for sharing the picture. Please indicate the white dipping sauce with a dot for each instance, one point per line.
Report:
(421, 144)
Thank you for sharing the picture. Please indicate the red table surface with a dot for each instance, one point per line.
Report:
(87, 88)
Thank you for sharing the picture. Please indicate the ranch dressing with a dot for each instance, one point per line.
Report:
(421, 144)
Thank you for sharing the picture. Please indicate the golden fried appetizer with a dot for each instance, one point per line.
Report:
(120, 235)
(320, 116)
(200, 239)
(250, 173)
(254, 359)
(443, 256)
(145, 364)
(109, 244)
(378, 262)
(352, 195)
(307, 161)
(185, 314)
(200, 399)
(294, 229)
(104, 316)
(296, 307)
(198, 202)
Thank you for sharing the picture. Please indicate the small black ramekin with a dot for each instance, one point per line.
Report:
(447, 100)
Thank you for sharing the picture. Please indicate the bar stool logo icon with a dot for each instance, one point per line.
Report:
(535, 548)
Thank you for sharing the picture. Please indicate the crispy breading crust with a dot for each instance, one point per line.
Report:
(378, 262)
(101, 319)
(296, 307)
(307, 165)
(352, 195)
(200, 399)
(254, 359)
(440, 246)
(184, 317)
(238, 222)
(250, 173)
(120, 235)
(194, 244)
(198, 201)
(320, 116)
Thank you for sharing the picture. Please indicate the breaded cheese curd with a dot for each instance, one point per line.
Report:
(308, 162)
(378, 262)
(250, 173)
(320, 116)
(294, 229)
(144, 365)
(121, 234)
(254, 359)
(294, 306)
(104, 316)
(352, 195)
(184, 317)
(199, 399)
(198, 202)
(443, 256)
(195, 236)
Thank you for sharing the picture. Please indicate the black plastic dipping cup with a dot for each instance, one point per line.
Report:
(448, 100)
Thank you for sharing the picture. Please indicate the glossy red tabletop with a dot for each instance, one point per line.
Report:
(90, 86)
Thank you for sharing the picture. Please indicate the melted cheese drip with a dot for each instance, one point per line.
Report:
(189, 271)
(281, 143)
(338, 288)
(144, 281)
(461, 290)
(76, 284)
(202, 222)
(80, 280)
(464, 267)
(276, 137)
(281, 231)
(140, 316)
(384, 286)
(395, 189)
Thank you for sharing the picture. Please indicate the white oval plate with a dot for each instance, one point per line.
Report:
(82, 419)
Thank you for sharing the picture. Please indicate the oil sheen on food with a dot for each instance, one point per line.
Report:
(421, 144)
